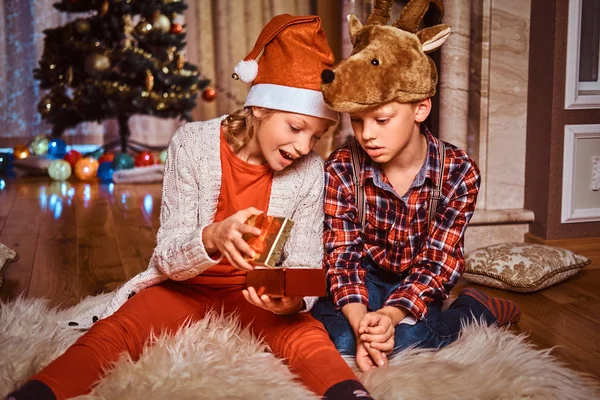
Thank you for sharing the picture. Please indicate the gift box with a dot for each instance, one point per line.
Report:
(280, 282)
(274, 232)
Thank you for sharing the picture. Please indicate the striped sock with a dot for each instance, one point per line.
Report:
(505, 311)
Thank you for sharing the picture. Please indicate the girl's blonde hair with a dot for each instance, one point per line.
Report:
(239, 127)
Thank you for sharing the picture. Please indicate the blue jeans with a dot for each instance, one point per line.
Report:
(439, 328)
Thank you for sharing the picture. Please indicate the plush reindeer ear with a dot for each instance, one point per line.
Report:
(354, 26)
(432, 38)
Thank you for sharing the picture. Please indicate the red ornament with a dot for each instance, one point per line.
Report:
(106, 157)
(209, 94)
(176, 29)
(144, 159)
(72, 157)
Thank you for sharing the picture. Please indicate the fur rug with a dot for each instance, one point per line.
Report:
(214, 359)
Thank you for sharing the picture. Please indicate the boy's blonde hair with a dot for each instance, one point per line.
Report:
(239, 127)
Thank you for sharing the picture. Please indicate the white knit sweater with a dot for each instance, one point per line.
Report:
(191, 186)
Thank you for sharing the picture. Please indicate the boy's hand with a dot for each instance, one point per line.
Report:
(277, 305)
(377, 329)
(226, 237)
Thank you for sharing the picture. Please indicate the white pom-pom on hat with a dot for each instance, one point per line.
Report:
(247, 70)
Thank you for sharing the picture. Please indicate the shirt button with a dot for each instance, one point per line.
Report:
(398, 244)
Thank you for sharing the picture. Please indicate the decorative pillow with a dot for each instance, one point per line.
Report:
(6, 256)
(522, 267)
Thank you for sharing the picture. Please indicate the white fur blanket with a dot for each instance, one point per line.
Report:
(214, 359)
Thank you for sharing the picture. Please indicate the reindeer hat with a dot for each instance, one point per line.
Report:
(387, 62)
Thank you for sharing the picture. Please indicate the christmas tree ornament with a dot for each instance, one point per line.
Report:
(149, 84)
(72, 157)
(209, 94)
(144, 159)
(163, 157)
(128, 30)
(69, 75)
(171, 53)
(104, 8)
(122, 161)
(20, 152)
(106, 157)
(162, 22)
(180, 63)
(82, 26)
(105, 171)
(39, 145)
(57, 148)
(86, 168)
(59, 170)
(143, 27)
(96, 63)
(45, 106)
(4, 161)
(176, 29)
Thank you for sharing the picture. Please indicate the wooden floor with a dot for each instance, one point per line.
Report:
(77, 239)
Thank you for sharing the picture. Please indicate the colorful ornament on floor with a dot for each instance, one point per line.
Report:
(122, 161)
(144, 159)
(59, 170)
(20, 152)
(106, 157)
(39, 145)
(72, 157)
(105, 171)
(209, 94)
(57, 148)
(163, 157)
(4, 162)
(86, 168)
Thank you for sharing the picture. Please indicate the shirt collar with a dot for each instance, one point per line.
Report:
(429, 170)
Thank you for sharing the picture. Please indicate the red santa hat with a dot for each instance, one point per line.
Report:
(287, 76)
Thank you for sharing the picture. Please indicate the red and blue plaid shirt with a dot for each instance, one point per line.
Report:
(396, 234)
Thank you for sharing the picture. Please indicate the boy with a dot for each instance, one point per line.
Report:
(394, 247)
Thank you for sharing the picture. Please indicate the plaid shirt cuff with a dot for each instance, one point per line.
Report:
(410, 300)
(352, 294)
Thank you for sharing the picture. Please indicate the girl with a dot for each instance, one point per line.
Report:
(218, 174)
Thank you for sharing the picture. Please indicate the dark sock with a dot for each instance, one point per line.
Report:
(505, 311)
(32, 390)
(347, 390)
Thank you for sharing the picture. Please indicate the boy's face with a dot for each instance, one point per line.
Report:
(282, 137)
(389, 130)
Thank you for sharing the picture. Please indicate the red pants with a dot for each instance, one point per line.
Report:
(300, 339)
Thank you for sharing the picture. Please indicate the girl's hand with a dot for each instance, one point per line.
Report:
(277, 305)
(226, 237)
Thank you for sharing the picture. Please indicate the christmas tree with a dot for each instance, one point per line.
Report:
(124, 57)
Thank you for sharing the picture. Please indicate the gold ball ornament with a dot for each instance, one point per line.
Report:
(39, 145)
(59, 170)
(45, 105)
(143, 27)
(95, 63)
(162, 22)
(209, 94)
(82, 26)
(20, 152)
(86, 168)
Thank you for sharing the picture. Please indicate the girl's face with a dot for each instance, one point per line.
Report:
(387, 131)
(282, 137)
